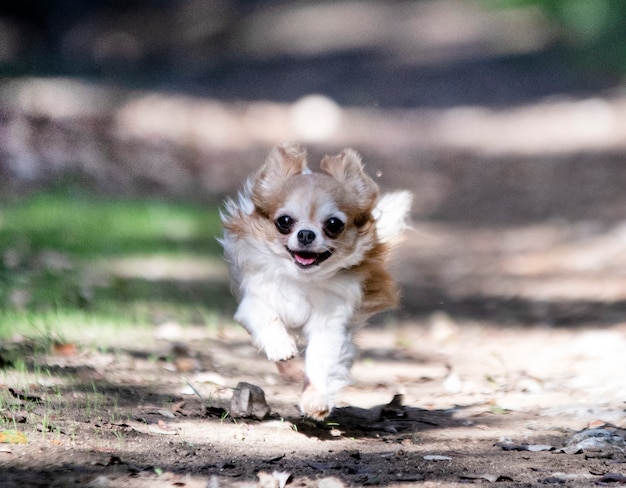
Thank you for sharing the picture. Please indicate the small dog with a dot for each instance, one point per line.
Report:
(308, 253)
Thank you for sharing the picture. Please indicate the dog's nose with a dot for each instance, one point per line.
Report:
(306, 237)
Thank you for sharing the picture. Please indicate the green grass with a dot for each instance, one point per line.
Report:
(89, 227)
(56, 276)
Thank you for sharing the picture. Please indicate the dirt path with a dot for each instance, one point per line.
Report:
(481, 401)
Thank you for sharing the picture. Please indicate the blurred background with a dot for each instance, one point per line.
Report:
(124, 123)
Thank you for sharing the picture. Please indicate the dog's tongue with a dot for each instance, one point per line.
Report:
(305, 259)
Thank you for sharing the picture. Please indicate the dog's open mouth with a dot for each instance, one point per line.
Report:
(306, 259)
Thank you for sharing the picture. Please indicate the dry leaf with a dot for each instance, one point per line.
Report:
(64, 349)
(13, 437)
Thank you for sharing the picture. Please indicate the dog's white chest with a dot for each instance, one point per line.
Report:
(304, 303)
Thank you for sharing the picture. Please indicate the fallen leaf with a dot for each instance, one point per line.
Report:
(13, 437)
(64, 349)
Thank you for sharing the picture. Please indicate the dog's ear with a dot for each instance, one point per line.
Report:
(283, 162)
(347, 169)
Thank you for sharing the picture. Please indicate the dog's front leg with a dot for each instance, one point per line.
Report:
(266, 328)
(329, 356)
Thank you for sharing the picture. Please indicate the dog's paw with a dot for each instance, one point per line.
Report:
(280, 347)
(313, 404)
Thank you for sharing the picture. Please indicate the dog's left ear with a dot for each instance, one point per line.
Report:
(347, 169)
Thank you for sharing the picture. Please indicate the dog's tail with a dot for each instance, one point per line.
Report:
(392, 215)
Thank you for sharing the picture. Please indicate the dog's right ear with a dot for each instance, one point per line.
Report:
(283, 162)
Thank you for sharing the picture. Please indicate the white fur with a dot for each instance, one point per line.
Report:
(278, 301)
(391, 213)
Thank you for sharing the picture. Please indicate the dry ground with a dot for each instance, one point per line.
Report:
(491, 393)
(470, 392)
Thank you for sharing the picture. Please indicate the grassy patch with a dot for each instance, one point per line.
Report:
(91, 226)
(73, 263)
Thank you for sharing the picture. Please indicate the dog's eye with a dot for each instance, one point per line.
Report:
(284, 223)
(333, 227)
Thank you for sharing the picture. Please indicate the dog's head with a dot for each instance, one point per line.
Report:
(321, 222)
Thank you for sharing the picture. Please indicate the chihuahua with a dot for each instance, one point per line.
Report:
(308, 256)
